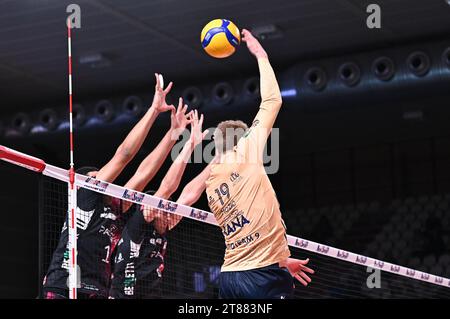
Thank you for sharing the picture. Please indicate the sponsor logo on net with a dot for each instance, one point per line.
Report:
(342, 254)
(410, 272)
(395, 268)
(198, 214)
(378, 263)
(301, 243)
(92, 183)
(322, 249)
(167, 206)
(133, 196)
(361, 259)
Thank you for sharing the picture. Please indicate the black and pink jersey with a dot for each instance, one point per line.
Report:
(139, 260)
(99, 228)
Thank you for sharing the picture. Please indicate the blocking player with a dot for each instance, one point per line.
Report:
(139, 258)
(256, 262)
(99, 219)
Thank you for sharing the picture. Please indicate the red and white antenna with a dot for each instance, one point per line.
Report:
(72, 193)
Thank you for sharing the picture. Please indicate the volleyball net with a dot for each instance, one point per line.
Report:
(193, 250)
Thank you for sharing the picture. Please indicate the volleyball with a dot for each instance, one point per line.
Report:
(220, 38)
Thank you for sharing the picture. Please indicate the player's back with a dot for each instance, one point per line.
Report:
(245, 205)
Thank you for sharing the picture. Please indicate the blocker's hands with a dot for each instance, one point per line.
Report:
(197, 135)
(179, 119)
(253, 44)
(298, 270)
(159, 99)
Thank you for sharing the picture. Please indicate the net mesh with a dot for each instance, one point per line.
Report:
(52, 214)
(194, 254)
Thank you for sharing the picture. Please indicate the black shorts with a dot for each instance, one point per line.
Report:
(270, 282)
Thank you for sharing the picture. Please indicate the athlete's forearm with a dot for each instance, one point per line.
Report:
(267, 114)
(133, 142)
(173, 177)
(194, 189)
(270, 92)
(150, 166)
(153, 162)
(191, 193)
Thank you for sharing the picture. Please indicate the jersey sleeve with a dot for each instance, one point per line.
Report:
(253, 142)
(136, 225)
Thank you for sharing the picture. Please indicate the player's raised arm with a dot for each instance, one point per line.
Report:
(153, 162)
(173, 177)
(270, 95)
(191, 193)
(195, 188)
(133, 142)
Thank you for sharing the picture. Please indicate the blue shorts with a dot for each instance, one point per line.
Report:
(270, 282)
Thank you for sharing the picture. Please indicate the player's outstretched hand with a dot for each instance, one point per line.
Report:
(179, 119)
(159, 99)
(197, 135)
(253, 44)
(298, 270)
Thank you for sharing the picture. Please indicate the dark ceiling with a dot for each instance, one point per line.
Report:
(142, 36)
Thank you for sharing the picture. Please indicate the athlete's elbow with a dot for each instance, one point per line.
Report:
(277, 99)
(278, 102)
(124, 154)
(272, 104)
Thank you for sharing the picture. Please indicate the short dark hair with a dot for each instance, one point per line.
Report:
(86, 169)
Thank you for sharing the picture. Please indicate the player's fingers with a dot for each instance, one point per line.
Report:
(168, 88)
(301, 280)
(204, 134)
(307, 269)
(304, 262)
(305, 276)
(247, 34)
(180, 104)
(200, 122)
(161, 81)
(189, 118)
(185, 109)
(157, 80)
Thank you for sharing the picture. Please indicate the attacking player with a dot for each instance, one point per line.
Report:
(99, 218)
(256, 262)
(139, 257)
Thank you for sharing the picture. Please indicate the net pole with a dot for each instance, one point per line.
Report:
(72, 194)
